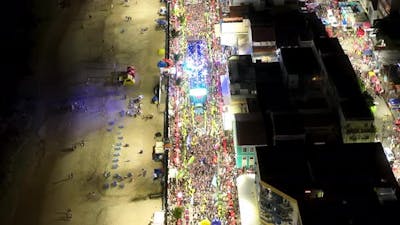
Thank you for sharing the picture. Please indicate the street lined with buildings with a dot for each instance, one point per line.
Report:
(265, 110)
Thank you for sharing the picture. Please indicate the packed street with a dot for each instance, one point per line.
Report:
(201, 179)
(348, 22)
(201, 182)
(96, 152)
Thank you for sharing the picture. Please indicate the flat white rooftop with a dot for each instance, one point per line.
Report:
(248, 204)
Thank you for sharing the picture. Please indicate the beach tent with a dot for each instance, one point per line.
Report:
(158, 218)
(159, 147)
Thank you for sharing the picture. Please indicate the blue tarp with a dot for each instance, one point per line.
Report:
(161, 22)
(162, 64)
(215, 222)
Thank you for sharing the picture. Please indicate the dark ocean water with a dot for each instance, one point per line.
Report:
(16, 45)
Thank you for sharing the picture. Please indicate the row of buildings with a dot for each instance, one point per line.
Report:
(303, 131)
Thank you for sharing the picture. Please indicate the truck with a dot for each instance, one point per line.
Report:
(196, 69)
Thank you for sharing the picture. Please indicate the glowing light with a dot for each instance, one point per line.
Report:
(180, 195)
(198, 92)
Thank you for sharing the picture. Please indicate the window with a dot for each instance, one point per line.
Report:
(244, 149)
(244, 162)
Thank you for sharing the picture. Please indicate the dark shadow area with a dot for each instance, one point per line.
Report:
(16, 48)
(389, 26)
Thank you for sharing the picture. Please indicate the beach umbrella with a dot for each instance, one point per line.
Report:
(161, 51)
(162, 64)
(360, 32)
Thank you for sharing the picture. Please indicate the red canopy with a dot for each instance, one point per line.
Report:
(169, 62)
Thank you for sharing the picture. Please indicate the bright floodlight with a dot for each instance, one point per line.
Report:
(198, 92)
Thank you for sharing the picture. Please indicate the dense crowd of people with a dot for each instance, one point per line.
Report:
(203, 184)
(201, 163)
(363, 52)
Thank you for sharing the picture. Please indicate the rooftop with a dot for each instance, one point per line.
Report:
(240, 11)
(312, 103)
(356, 108)
(268, 73)
(240, 68)
(263, 33)
(319, 119)
(346, 175)
(289, 26)
(273, 98)
(328, 46)
(250, 129)
(316, 25)
(342, 75)
(264, 17)
(271, 93)
(287, 123)
(307, 64)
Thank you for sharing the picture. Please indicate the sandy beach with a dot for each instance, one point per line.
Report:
(78, 49)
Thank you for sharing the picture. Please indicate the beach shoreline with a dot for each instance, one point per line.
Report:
(50, 23)
(69, 42)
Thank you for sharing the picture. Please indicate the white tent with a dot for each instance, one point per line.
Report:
(159, 147)
(158, 218)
